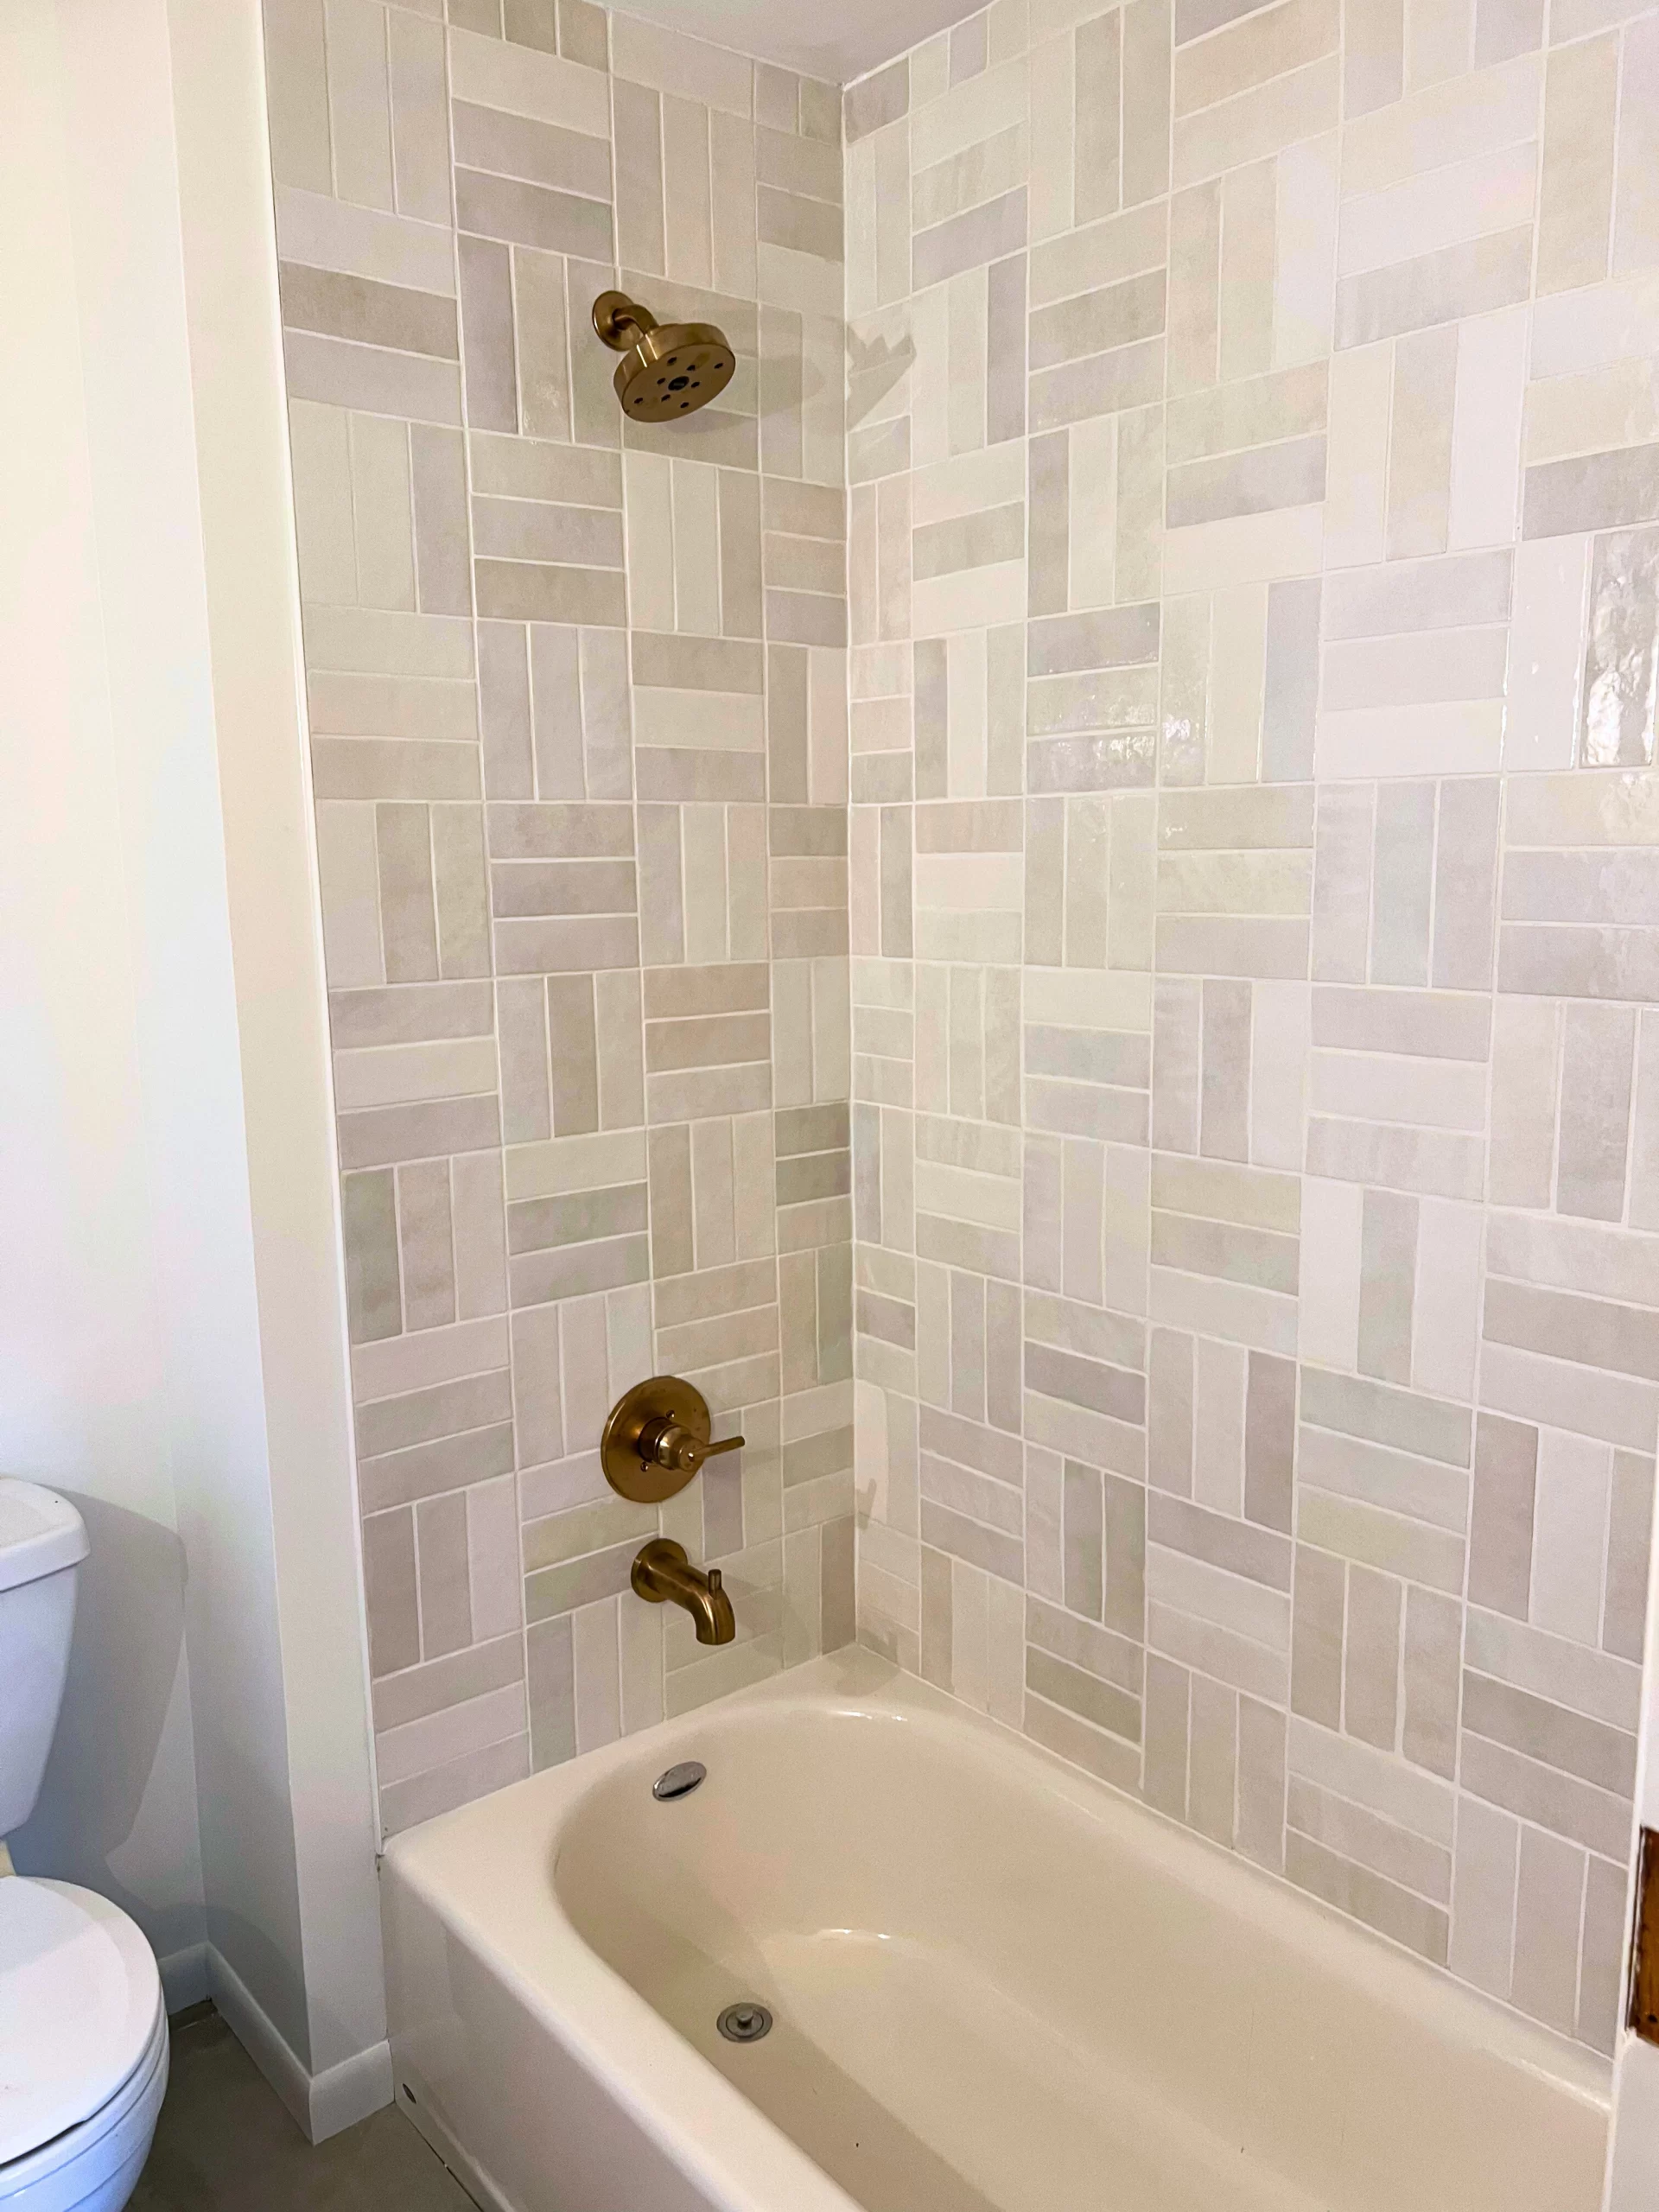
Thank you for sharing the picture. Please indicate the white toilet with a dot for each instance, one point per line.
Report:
(83, 2028)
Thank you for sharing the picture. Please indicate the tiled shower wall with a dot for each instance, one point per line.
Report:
(578, 713)
(1255, 532)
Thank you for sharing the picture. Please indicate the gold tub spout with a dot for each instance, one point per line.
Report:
(663, 1571)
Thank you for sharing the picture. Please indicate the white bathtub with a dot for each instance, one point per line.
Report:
(997, 1987)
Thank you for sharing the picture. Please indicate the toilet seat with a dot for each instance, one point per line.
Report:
(95, 2167)
(82, 2019)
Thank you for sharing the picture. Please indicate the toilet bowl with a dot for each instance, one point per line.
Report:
(83, 2026)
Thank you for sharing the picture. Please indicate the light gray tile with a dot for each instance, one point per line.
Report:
(876, 100)
(1548, 1907)
(1501, 1526)
(1602, 490)
(374, 1280)
(1597, 1060)
(1374, 54)
(1371, 1657)
(1387, 1276)
(1430, 1670)
(1437, 287)
(389, 1590)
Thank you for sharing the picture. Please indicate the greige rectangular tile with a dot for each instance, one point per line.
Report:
(1118, 314)
(876, 100)
(980, 235)
(487, 140)
(390, 1596)
(1576, 189)
(1635, 229)
(1597, 1061)
(1269, 42)
(339, 372)
(1543, 960)
(522, 213)
(520, 591)
(1500, 1528)
(1602, 490)
(1437, 287)
(1291, 474)
(368, 311)
(1629, 1524)
(1549, 1734)
(1104, 384)
(1430, 1678)
(1374, 54)
(1148, 37)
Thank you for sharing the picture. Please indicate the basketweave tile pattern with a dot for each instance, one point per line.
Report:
(1253, 522)
(579, 730)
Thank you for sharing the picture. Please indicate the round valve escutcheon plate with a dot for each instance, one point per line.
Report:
(662, 1413)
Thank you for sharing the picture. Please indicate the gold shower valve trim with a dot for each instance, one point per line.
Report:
(656, 1438)
(669, 370)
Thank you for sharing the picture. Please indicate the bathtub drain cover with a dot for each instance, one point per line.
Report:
(679, 1781)
(745, 2023)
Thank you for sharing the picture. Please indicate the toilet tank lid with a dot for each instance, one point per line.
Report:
(39, 1533)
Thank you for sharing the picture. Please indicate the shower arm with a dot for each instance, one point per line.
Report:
(615, 316)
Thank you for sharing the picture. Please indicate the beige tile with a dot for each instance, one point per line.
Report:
(1505, 29)
(1373, 34)
(1420, 473)
(1146, 33)
(1435, 288)
(1254, 124)
(1194, 295)
(389, 1576)
(359, 102)
(1576, 192)
(1549, 1906)
(1439, 40)
(1487, 429)
(1636, 226)
(297, 93)
(1443, 123)
(1483, 1897)
(1604, 491)
(1266, 45)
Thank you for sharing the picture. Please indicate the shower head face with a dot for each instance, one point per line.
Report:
(669, 372)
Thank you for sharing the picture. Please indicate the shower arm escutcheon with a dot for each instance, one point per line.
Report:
(656, 1438)
(616, 317)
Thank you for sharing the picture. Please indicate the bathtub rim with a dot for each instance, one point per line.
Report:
(701, 2120)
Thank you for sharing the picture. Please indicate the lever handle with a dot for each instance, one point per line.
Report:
(668, 1445)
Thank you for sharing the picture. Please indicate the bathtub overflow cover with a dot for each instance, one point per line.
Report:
(745, 2023)
(679, 1781)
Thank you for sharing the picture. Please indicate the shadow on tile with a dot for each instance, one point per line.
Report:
(226, 2144)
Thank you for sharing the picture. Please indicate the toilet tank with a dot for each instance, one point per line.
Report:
(42, 1541)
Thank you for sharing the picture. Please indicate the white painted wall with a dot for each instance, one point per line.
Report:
(83, 1400)
(172, 1344)
(228, 230)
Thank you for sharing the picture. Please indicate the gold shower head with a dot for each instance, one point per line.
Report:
(667, 370)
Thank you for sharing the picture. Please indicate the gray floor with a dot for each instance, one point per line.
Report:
(225, 2143)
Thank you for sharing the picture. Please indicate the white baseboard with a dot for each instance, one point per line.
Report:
(343, 2094)
(321, 2104)
(184, 1977)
